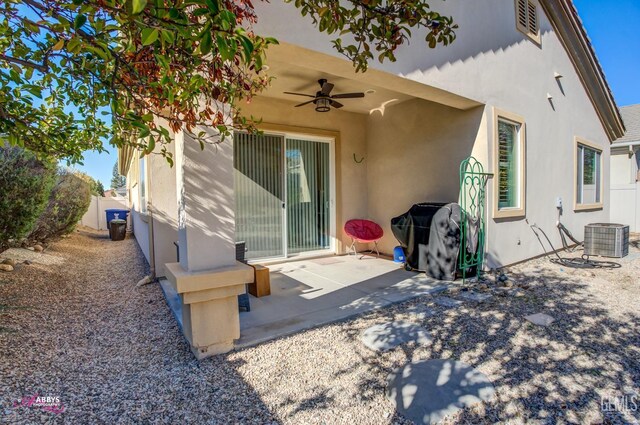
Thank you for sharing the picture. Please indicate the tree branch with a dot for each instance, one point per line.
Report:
(28, 64)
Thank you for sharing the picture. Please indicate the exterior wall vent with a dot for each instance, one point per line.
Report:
(606, 239)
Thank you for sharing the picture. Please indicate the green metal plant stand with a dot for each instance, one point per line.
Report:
(473, 184)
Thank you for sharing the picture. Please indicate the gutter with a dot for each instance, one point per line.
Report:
(624, 145)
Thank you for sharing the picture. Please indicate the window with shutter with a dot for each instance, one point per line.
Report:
(507, 165)
(527, 19)
(509, 157)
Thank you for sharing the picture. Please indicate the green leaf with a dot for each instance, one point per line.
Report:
(138, 6)
(149, 36)
(79, 21)
(205, 43)
(168, 36)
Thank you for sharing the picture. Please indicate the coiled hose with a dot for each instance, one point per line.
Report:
(583, 262)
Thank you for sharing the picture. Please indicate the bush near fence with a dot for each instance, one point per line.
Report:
(68, 202)
(25, 186)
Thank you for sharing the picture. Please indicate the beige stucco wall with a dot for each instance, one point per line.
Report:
(351, 181)
(414, 152)
(161, 192)
(493, 63)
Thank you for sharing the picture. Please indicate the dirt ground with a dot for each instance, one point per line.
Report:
(73, 325)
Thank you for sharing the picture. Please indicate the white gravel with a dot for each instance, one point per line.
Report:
(113, 353)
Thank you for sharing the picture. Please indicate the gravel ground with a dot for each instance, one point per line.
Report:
(80, 330)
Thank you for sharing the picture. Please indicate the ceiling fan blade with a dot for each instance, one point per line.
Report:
(305, 103)
(299, 94)
(326, 89)
(347, 95)
(336, 104)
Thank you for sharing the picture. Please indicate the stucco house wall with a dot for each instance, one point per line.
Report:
(414, 152)
(494, 63)
(161, 194)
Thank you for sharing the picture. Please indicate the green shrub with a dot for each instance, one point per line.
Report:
(68, 202)
(25, 186)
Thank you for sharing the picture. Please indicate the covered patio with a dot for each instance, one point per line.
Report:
(312, 292)
(289, 191)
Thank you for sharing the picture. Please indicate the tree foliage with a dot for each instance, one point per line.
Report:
(374, 29)
(117, 180)
(76, 72)
(25, 185)
(68, 201)
(95, 186)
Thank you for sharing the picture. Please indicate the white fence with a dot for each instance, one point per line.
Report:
(95, 217)
(625, 205)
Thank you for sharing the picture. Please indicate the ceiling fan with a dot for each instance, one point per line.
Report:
(323, 98)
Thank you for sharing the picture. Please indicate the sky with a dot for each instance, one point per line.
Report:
(611, 25)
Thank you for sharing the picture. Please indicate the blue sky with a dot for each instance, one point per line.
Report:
(611, 25)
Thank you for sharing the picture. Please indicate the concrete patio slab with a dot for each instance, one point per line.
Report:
(426, 391)
(387, 336)
(309, 293)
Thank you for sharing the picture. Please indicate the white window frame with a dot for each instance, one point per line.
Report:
(526, 28)
(142, 185)
(578, 206)
(520, 209)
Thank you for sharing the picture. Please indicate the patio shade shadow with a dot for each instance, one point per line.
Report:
(426, 391)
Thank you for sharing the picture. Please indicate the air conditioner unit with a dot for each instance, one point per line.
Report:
(606, 239)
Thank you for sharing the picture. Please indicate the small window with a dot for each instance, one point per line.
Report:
(142, 187)
(510, 164)
(527, 19)
(588, 176)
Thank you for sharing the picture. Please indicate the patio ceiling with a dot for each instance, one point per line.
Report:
(297, 69)
(298, 79)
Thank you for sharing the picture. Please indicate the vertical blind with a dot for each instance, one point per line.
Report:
(508, 165)
(307, 195)
(258, 176)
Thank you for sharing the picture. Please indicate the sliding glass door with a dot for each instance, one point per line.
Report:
(308, 196)
(283, 194)
(258, 174)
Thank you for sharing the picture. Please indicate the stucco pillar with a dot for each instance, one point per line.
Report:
(208, 278)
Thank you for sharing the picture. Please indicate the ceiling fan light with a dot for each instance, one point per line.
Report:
(322, 105)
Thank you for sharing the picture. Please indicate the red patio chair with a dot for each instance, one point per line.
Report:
(363, 231)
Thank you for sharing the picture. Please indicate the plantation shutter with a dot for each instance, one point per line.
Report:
(527, 17)
(522, 15)
(507, 165)
(532, 18)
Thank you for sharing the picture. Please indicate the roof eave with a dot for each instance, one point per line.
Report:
(568, 26)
